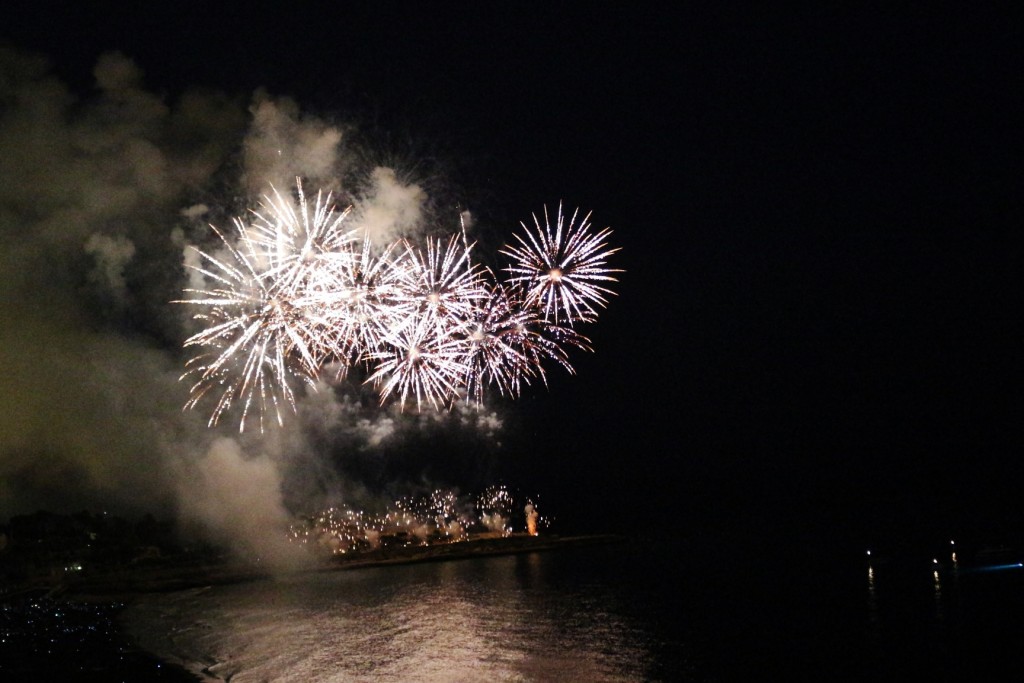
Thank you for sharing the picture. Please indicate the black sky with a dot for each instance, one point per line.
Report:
(819, 213)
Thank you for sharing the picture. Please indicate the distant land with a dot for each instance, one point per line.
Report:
(116, 565)
(178, 576)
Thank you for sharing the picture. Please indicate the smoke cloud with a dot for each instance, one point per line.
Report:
(282, 144)
(237, 499)
(112, 255)
(103, 194)
(389, 209)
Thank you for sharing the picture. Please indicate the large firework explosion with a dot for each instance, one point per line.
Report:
(293, 289)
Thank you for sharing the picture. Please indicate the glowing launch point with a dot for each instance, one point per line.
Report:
(531, 519)
(441, 517)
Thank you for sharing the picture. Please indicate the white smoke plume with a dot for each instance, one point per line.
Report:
(90, 187)
(103, 193)
(112, 254)
(238, 501)
(389, 209)
(282, 144)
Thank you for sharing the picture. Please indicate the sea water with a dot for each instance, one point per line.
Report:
(656, 610)
(527, 617)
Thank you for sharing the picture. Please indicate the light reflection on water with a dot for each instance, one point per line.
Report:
(629, 612)
(515, 618)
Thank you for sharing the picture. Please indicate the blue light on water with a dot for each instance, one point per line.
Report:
(999, 567)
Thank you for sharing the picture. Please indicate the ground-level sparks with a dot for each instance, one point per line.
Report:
(442, 516)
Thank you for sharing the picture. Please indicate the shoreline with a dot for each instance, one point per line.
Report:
(126, 582)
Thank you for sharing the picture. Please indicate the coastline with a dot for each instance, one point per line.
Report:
(71, 630)
(125, 582)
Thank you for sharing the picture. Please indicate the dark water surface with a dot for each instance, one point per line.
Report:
(641, 610)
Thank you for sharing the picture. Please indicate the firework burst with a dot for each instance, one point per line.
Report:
(294, 290)
(439, 517)
(422, 361)
(437, 292)
(491, 353)
(440, 285)
(563, 268)
(361, 311)
(494, 507)
(259, 334)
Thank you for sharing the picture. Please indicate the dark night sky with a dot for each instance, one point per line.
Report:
(818, 211)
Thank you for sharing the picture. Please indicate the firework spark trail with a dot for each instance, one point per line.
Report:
(562, 270)
(297, 291)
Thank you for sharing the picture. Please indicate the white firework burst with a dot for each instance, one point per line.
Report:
(292, 290)
(421, 361)
(439, 285)
(493, 344)
(360, 311)
(563, 268)
(259, 333)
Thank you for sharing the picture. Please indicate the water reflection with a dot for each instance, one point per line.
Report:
(511, 618)
(872, 596)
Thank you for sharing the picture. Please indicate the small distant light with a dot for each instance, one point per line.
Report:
(869, 552)
(934, 561)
